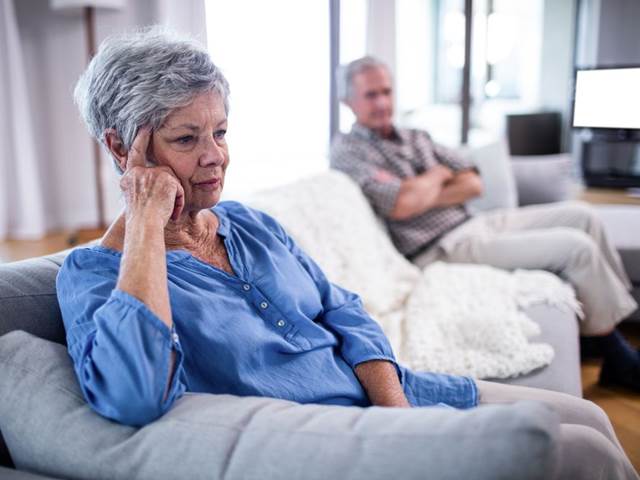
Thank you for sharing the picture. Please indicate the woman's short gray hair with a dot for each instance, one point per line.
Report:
(137, 78)
(345, 74)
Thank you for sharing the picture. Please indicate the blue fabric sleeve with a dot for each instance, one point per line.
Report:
(361, 337)
(120, 349)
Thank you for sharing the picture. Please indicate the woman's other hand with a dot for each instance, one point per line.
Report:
(150, 192)
(380, 380)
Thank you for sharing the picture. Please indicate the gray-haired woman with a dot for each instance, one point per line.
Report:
(187, 293)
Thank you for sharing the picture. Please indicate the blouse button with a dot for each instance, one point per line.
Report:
(264, 305)
(246, 287)
(175, 337)
(281, 323)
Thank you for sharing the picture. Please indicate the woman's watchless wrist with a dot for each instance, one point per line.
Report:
(148, 218)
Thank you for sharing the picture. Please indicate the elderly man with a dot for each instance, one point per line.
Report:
(420, 189)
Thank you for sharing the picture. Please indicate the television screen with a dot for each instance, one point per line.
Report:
(607, 98)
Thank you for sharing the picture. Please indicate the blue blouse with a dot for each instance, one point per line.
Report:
(278, 328)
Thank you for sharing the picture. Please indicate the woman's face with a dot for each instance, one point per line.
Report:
(191, 141)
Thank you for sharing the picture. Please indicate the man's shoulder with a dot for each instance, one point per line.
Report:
(415, 133)
(345, 146)
(348, 139)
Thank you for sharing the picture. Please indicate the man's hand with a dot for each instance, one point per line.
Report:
(463, 186)
(420, 193)
(150, 192)
(438, 187)
(445, 174)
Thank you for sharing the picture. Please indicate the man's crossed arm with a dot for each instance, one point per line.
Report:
(438, 187)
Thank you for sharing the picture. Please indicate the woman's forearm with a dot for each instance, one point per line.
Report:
(380, 380)
(143, 272)
(143, 269)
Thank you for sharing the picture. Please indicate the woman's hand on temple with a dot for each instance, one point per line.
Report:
(150, 191)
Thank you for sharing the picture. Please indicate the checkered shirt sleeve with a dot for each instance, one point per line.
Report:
(361, 163)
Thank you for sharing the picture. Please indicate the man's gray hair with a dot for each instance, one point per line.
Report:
(137, 78)
(345, 74)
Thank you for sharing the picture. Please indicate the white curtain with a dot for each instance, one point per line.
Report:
(22, 212)
(46, 158)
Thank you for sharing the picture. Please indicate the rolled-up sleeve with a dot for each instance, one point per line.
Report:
(120, 349)
(361, 337)
(379, 185)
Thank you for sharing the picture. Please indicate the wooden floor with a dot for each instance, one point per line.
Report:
(12, 250)
(622, 407)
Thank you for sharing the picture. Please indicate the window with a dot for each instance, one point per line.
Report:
(353, 44)
(505, 63)
(276, 57)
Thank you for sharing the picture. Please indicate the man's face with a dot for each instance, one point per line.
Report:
(372, 99)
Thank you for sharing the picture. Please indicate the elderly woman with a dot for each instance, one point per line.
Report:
(187, 293)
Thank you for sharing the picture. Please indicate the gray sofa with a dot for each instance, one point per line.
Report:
(50, 431)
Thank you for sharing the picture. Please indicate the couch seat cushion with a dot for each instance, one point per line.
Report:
(50, 430)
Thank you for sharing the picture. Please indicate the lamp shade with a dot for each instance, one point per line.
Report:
(75, 4)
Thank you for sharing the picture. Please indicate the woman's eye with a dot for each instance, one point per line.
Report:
(185, 140)
(219, 134)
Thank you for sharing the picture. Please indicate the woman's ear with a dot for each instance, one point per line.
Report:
(116, 147)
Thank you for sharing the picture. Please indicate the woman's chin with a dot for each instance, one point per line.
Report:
(208, 201)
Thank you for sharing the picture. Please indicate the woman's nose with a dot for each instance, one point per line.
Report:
(212, 154)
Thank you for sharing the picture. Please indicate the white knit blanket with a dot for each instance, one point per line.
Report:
(459, 319)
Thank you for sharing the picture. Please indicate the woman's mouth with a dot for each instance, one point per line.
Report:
(208, 185)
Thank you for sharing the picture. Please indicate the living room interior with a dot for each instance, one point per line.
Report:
(541, 95)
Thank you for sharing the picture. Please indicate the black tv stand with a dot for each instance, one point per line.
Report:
(611, 158)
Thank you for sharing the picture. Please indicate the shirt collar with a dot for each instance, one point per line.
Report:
(367, 133)
(224, 225)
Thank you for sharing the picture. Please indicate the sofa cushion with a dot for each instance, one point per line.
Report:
(499, 185)
(28, 297)
(543, 178)
(50, 429)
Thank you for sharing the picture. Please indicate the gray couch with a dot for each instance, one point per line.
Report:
(50, 431)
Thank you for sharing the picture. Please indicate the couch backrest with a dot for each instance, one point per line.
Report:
(28, 297)
(28, 302)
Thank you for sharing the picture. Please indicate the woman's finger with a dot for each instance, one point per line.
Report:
(178, 204)
(137, 155)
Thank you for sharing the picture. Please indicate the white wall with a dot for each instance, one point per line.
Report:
(619, 32)
(556, 70)
(54, 46)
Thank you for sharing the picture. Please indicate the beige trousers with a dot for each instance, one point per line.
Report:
(565, 238)
(589, 448)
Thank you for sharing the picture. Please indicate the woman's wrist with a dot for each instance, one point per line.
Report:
(143, 268)
(144, 220)
(380, 380)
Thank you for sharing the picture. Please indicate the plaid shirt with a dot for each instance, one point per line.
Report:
(379, 166)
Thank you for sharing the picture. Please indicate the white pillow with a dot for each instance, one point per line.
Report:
(499, 185)
(543, 178)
